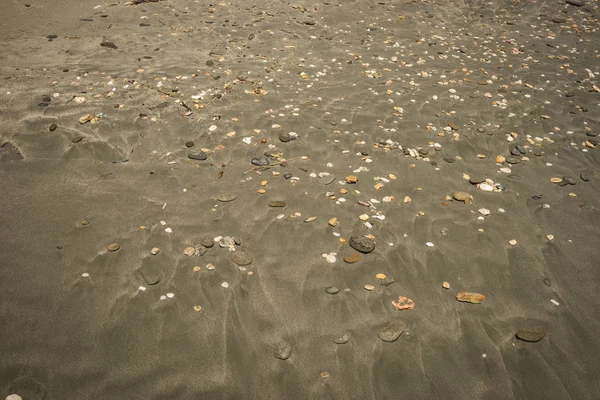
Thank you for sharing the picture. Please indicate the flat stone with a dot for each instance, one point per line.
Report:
(463, 196)
(110, 45)
(189, 144)
(362, 244)
(207, 241)
(200, 250)
(260, 161)
(466, 297)
(226, 198)
(584, 177)
(353, 258)
(576, 3)
(534, 334)
(391, 332)
(14, 396)
(277, 203)
(449, 160)
(283, 350)
(475, 179)
(52, 127)
(345, 338)
(332, 290)
(513, 160)
(114, 247)
(200, 155)
(77, 139)
(287, 176)
(241, 258)
(326, 180)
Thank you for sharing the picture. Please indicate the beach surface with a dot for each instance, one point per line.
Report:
(299, 200)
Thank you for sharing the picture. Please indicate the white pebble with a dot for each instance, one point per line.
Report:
(163, 223)
(556, 303)
(14, 396)
(169, 230)
(501, 210)
(212, 128)
(163, 297)
(429, 244)
(281, 216)
(484, 211)
(330, 258)
(486, 187)
(247, 140)
(505, 170)
(142, 288)
(170, 295)
(225, 285)
(85, 275)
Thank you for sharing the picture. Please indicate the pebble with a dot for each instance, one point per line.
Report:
(547, 282)
(584, 177)
(463, 196)
(14, 396)
(170, 295)
(446, 285)
(260, 161)
(484, 211)
(226, 242)
(52, 127)
(110, 45)
(200, 250)
(330, 258)
(467, 297)
(391, 332)
(513, 160)
(189, 251)
(241, 258)
(326, 180)
(362, 244)
(283, 350)
(370, 288)
(476, 179)
(200, 155)
(155, 251)
(512, 242)
(225, 285)
(576, 3)
(285, 137)
(486, 187)
(533, 335)
(114, 247)
(277, 203)
(226, 198)
(353, 258)
(189, 144)
(332, 290)
(207, 241)
(345, 338)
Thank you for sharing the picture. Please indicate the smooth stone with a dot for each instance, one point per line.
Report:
(52, 127)
(476, 179)
(241, 258)
(569, 180)
(531, 334)
(14, 396)
(46, 99)
(353, 258)
(285, 137)
(226, 242)
(189, 144)
(392, 332)
(283, 350)
(114, 247)
(481, 130)
(326, 180)
(538, 152)
(584, 177)
(449, 160)
(200, 250)
(77, 139)
(237, 241)
(287, 176)
(225, 198)
(198, 156)
(277, 203)
(362, 244)
(110, 45)
(521, 149)
(576, 3)
(513, 160)
(207, 241)
(342, 339)
(515, 152)
(260, 161)
(332, 290)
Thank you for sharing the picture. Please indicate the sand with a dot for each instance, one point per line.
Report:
(411, 98)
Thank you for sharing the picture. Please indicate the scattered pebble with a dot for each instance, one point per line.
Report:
(283, 350)
(392, 331)
(475, 298)
(362, 244)
(533, 335)
(114, 247)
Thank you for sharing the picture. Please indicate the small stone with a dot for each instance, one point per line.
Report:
(380, 276)
(332, 290)
(85, 118)
(170, 295)
(404, 303)
(351, 179)
(207, 241)
(547, 282)
(85, 222)
(15, 396)
(446, 285)
(110, 45)
(197, 308)
(486, 187)
(155, 251)
(330, 258)
(362, 244)
(226, 198)
(285, 137)
(463, 196)
(326, 180)
(512, 242)
(476, 179)
(283, 350)
(77, 139)
(533, 335)
(353, 258)
(225, 285)
(550, 237)
(576, 3)
(241, 258)
(584, 177)
(363, 217)
(475, 298)
(277, 203)
(370, 288)
(513, 160)
(200, 155)
(260, 161)
(449, 160)
(189, 144)
(114, 247)
(484, 211)
(52, 127)
(500, 159)
(333, 221)
(189, 251)
(310, 219)
(342, 339)
(391, 332)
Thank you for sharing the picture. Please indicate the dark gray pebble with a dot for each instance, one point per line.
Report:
(287, 176)
(476, 179)
(534, 334)
(52, 127)
(584, 177)
(198, 156)
(77, 139)
(547, 282)
(449, 160)
(362, 244)
(207, 241)
(513, 160)
(332, 290)
(285, 137)
(261, 161)
(189, 144)
(110, 45)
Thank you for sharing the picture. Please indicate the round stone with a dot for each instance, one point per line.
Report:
(285, 137)
(189, 144)
(283, 350)
(225, 198)
(52, 127)
(475, 179)
(342, 339)
(14, 396)
(207, 241)
(391, 332)
(584, 177)
(534, 334)
(260, 161)
(114, 247)
(362, 244)
(332, 290)
(241, 258)
(200, 155)
(353, 258)
(155, 251)
(189, 251)
(513, 160)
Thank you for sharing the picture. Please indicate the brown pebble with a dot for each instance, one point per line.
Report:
(475, 298)
(353, 258)
(277, 203)
(114, 247)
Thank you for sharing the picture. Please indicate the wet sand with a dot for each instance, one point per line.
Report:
(102, 104)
